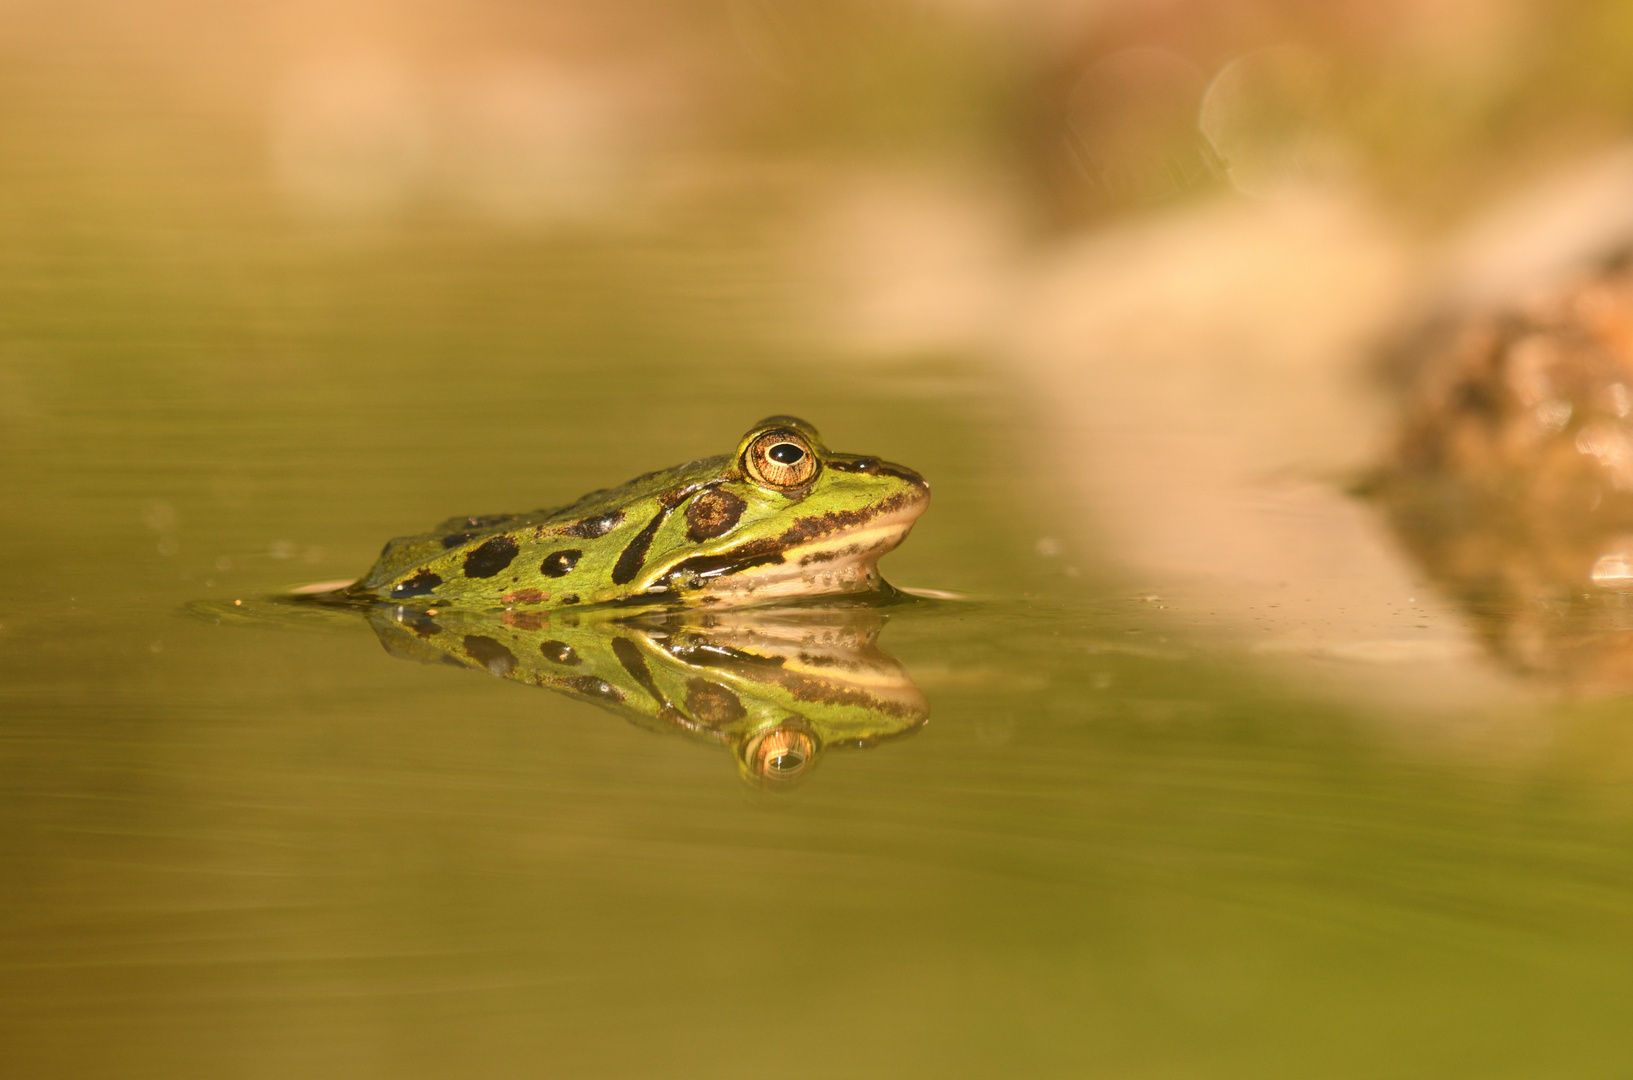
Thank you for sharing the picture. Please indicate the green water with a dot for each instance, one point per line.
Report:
(275, 851)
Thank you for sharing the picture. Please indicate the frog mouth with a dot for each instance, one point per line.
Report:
(834, 552)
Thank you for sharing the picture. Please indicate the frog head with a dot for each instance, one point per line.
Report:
(784, 517)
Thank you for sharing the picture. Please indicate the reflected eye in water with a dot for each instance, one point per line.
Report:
(780, 757)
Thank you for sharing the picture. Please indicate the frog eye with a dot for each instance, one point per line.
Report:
(780, 459)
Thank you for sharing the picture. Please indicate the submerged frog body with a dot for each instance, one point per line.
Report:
(776, 687)
(782, 517)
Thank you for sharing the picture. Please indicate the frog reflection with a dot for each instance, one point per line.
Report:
(777, 687)
(1511, 482)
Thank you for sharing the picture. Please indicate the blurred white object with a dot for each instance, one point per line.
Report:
(1264, 113)
(350, 137)
(1546, 231)
(912, 262)
(361, 137)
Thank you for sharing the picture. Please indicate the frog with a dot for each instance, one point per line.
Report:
(780, 518)
(776, 686)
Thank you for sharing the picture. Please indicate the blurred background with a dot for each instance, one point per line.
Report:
(1235, 766)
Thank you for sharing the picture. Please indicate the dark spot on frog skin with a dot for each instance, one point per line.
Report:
(453, 540)
(634, 554)
(817, 660)
(570, 598)
(711, 704)
(560, 563)
(492, 556)
(526, 620)
(745, 556)
(700, 654)
(590, 686)
(671, 715)
(524, 596)
(820, 691)
(712, 513)
(818, 525)
(592, 527)
(675, 496)
(629, 655)
(559, 652)
(829, 556)
(490, 654)
(420, 584)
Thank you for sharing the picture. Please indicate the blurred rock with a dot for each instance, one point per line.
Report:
(1201, 379)
(1512, 478)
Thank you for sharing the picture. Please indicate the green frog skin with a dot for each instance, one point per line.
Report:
(777, 687)
(781, 518)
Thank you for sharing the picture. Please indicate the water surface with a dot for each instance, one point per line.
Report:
(1123, 845)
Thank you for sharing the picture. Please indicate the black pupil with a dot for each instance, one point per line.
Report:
(785, 453)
